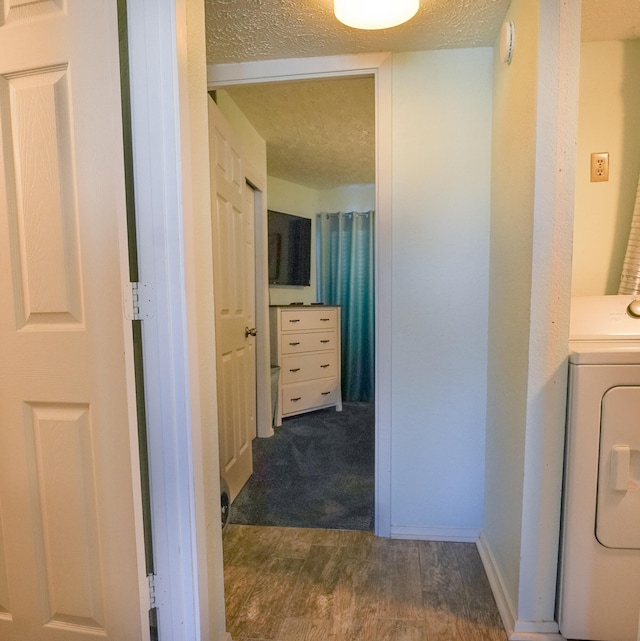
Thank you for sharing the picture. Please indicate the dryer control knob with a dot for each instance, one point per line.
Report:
(634, 308)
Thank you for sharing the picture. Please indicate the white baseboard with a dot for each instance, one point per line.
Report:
(504, 603)
(538, 627)
(415, 533)
(536, 636)
(516, 630)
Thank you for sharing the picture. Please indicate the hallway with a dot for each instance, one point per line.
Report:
(292, 584)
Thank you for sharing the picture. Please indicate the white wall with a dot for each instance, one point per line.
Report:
(609, 120)
(347, 198)
(441, 179)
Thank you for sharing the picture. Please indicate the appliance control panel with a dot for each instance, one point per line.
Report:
(614, 317)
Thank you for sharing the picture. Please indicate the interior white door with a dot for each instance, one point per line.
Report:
(71, 554)
(233, 277)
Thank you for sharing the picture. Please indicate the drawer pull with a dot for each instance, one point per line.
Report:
(325, 393)
(294, 344)
(295, 320)
(296, 369)
(325, 319)
(295, 400)
(323, 366)
(325, 341)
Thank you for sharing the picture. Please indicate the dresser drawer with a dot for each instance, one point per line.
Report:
(295, 320)
(305, 396)
(310, 342)
(295, 369)
(305, 345)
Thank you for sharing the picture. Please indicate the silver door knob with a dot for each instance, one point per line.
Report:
(250, 332)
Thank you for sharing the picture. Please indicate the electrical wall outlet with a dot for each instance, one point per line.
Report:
(599, 167)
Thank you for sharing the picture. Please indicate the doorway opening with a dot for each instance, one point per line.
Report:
(318, 468)
(378, 66)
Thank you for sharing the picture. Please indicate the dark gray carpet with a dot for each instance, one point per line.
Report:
(316, 471)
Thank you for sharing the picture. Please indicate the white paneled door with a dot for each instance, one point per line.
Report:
(71, 563)
(232, 226)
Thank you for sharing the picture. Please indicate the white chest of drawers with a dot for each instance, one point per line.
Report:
(305, 344)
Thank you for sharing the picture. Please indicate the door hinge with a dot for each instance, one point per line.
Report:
(138, 301)
(151, 578)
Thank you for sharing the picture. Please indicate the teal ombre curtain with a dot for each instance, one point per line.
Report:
(345, 278)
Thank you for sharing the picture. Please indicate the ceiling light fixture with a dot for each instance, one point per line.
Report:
(375, 14)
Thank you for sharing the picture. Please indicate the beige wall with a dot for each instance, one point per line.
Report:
(512, 208)
(532, 196)
(609, 120)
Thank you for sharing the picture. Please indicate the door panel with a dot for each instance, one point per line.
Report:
(71, 565)
(234, 299)
(47, 273)
(618, 503)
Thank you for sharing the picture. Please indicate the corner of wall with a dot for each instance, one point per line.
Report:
(516, 630)
(499, 588)
(530, 259)
(512, 190)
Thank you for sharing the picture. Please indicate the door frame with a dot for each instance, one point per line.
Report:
(168, 74)
(257, 181)
(166, 49)
(379, 66)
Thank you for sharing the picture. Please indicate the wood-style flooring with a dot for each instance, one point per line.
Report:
(291, 584)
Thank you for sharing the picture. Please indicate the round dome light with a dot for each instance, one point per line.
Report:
(375, 14)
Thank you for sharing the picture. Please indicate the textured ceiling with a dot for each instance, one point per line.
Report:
(321, 134)
(241, 30)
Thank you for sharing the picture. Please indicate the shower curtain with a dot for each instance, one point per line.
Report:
(345, 253)
(630, 278)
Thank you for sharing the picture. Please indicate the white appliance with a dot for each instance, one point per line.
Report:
(599, 591)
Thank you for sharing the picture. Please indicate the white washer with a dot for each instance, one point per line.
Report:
(599, 591)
